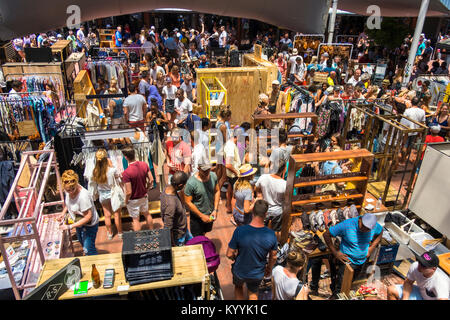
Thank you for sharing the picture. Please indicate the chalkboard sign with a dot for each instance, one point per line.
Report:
(57, 284)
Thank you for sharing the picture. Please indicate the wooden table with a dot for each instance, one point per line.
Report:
(189, 266)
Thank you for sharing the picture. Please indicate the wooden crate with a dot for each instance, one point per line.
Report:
(251, 60)
(63, 49)
(243, 88)
(7, 53)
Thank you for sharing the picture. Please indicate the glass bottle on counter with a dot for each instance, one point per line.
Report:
(95, 277)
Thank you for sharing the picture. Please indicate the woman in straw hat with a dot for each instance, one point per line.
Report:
(243, 196)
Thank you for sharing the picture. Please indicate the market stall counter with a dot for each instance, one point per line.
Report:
(189, 267)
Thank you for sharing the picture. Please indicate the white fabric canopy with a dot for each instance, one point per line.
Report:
(22, 17)
(394, 8)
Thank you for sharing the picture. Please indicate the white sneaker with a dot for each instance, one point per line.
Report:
(109, 235)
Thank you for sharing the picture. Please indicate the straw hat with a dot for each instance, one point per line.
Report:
(246, 170)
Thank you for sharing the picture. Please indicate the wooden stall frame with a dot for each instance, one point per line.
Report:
(296, 160)
(83, 87)
(396, 131)
(283, 116)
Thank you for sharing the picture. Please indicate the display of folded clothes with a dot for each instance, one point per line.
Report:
(147, 256)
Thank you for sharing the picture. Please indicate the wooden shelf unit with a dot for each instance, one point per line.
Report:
(107, 38)
(396, 135)
(83, 87)
(357, 195)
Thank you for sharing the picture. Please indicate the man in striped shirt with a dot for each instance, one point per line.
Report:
(359, 237)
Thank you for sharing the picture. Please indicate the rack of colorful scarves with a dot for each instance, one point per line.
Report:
(108, 68)
(31, 114)
(37, 82)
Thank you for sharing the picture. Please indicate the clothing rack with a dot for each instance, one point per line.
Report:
(300, 89)
(26, 114)
(112, 61)
(61, 94)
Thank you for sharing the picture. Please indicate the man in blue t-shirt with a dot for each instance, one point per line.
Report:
(359, 237)
(249, 248)
(119, 36)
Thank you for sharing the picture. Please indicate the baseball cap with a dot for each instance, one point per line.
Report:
(295, 51)
(369, 220)
(204, 166)
(428, 260)
(276, 82)
(326, 54)
(436, 128)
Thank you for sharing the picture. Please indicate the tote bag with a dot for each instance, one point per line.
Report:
(117, 197)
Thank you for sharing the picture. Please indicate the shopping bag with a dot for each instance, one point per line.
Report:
(117, 197)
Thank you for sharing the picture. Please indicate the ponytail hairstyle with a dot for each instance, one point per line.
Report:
(101, 167)
(225, 112)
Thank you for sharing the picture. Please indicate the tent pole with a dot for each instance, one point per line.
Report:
(415, 43)
(332, 22)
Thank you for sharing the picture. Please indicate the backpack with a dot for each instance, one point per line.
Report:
(211, 255)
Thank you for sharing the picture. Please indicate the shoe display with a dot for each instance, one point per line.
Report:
(300, 235)
(326, 217)
(333, 217)
(353, 211)
(340, 215)
(312, 221)
(305, 221)
(320, 222)
(347, 213)
(306, 243)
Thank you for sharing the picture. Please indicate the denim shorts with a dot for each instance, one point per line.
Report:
(104, 195)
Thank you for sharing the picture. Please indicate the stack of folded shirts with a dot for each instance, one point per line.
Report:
(147, 256)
